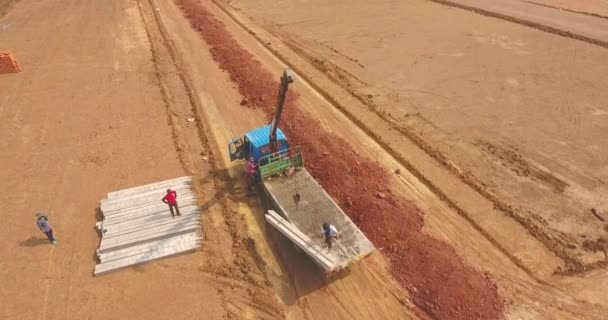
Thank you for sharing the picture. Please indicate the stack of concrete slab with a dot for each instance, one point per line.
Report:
(137, 226)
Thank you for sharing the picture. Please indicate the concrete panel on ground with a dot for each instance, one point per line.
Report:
(138, 228)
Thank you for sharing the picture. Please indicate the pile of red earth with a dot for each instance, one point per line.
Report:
(8, 64)
(439, 282)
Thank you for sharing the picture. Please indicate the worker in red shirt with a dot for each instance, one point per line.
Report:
(171, 199)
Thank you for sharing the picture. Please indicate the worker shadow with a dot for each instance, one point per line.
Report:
(299, 275)
(33, 242)
(98, 217)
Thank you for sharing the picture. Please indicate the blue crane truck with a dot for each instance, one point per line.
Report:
(300, 205)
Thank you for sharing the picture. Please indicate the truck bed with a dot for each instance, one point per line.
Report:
(308, 215)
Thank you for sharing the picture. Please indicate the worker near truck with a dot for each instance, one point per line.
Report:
(171, 199)
(42, 220)
(251, 173)
(331, 234)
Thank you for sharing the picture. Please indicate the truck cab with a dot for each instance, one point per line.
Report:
(257, 144)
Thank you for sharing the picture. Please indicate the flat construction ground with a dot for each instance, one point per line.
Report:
(592, 7)
(517, 113)
(497, 131)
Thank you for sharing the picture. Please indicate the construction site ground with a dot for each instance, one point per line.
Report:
(475, 147)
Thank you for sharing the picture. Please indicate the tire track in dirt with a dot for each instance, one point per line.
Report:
(525, 22)
(176, 135)
(437, 279)
(566, 9)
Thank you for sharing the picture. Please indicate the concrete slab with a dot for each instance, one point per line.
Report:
(155, 195)
(113, 231)
(188, 238)
(176, 226)
(157, 213)
(135, 238)
(148, 207)
(138, 228)
(315, 208)
(145, 257)
(152, 186)
(320, 255)
(112, 227)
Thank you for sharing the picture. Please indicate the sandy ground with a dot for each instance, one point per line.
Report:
(5, 6)
(526, 295)
(366, 291)
(526, 181)
(141, 86)
(81, 121)
(594, 7)
(527, 131)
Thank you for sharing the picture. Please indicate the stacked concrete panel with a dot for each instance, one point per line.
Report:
(137, 226)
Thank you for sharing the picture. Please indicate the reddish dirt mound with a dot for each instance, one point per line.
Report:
(8, 64)
(435, 276)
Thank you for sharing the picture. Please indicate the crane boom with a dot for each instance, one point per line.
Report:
(286, 79)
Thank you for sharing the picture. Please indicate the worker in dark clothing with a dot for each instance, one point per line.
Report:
(331, 234)
(171, 199)
(42, 221)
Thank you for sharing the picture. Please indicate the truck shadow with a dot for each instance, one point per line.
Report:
(306, 277)
(304, 274)
(299, 276)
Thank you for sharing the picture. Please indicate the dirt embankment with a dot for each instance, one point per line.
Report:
(439, 281)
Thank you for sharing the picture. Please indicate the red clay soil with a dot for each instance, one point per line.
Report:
(438, 280)
(8, 64)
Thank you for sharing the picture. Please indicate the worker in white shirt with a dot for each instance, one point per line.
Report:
(331, 234)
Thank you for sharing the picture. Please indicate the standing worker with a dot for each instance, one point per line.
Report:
(171, 199)
(251, 171)
(331, 234)
(42, 221)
